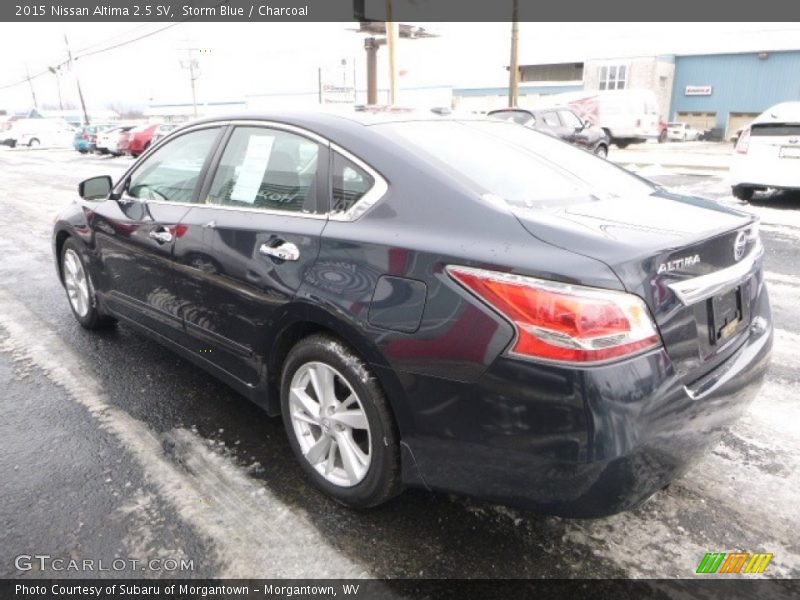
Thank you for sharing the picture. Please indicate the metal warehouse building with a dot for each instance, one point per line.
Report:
(726, 91)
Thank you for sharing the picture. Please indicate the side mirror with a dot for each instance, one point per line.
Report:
(95, 188)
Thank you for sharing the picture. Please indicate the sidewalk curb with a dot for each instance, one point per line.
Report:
(690, 169)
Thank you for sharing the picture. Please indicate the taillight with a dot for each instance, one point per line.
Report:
(743, 143)
(563, 322)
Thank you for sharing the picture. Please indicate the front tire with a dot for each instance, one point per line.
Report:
(79, 287)
(743, 192)
(33, 143)
(339, 423)
(601, 151)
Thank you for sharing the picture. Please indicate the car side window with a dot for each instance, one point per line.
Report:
(551, 119)
(349, 183)
(569, 119)
(171, 173)
(269, 169)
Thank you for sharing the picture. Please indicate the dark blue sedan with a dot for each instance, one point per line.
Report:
(454, 303)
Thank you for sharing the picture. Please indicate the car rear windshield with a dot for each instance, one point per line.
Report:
(525, 168)
(770, 129)
(517, 116)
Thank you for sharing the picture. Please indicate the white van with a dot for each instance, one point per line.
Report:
(40, 132)
(627, 116)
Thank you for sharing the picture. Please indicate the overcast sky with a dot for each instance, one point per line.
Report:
(239, 59)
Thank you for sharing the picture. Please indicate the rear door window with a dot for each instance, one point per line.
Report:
(569, 119)
(269, 169)
(550, 119)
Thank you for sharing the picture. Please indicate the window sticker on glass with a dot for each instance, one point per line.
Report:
(251, 173)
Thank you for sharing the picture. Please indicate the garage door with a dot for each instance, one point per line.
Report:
(699, 120)
(738, 121)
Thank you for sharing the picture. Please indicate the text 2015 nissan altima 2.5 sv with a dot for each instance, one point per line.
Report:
(453, 303)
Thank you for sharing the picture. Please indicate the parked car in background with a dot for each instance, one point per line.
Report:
(39, 132)
(662, 132)
(736, 135)
(108, 141)
(682, 132)
(560, 122)
(163, 130)
(140, 138)
(124, 141)
(85, 139)
(627, 116)
(551, 332)
(767, 153)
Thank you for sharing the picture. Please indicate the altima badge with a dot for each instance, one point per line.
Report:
(678, 263)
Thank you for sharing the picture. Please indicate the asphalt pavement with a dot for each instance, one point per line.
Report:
(113, 448)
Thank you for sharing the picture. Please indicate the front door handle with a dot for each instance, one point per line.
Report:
(162, 236)
(283, 251)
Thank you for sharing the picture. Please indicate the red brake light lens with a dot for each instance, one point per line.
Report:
(743, 143)
(562, 322)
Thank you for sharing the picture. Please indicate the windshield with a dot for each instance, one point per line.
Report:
(525, 168)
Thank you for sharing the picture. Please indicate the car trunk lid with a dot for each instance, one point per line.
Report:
(695, 263)
(775, 140)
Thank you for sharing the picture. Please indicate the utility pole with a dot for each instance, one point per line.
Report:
(30, 83)
(391, 47)
(193, 65)
(77, 81)
(513, 71)
(57, 72)
(371, 45)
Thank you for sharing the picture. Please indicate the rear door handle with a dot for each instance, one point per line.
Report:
(162, 236)
(283, 251)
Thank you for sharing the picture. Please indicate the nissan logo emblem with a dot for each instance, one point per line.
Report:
(739, 245)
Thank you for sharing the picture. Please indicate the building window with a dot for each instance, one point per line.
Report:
(613, 77)
(662, 82)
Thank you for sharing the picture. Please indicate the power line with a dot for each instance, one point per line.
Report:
(125, 43)
(85, 54)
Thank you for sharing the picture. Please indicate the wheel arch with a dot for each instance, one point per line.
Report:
(302, 320)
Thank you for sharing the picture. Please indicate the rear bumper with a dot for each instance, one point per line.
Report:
(774, 172)
(581, 443)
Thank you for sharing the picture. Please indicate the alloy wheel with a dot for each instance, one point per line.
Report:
(330, 424)
(76, 282)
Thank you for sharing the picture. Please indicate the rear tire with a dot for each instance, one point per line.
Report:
(743, 192)
(601, 151)
(339, 423)
(80, 289)
(33, 143)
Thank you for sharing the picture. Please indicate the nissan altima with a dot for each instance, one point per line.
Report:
(453, 303)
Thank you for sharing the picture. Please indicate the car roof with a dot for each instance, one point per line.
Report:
(783, 112)
(364, 117)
